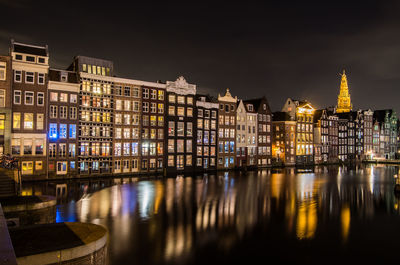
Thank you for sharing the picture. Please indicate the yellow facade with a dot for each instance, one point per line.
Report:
(344, 101)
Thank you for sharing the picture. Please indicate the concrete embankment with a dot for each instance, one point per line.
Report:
(29, 210)
(60, 243)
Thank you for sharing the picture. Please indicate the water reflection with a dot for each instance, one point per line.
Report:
(181, 220)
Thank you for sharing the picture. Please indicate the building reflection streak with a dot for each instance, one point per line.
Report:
(345, 221)
(307, 209)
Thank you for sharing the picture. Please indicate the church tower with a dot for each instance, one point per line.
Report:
(344, 102)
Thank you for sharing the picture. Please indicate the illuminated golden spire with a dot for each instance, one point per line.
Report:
(344, 101)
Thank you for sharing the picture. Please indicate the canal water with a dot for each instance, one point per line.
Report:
(328, 215)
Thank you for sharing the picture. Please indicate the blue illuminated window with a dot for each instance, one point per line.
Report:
(63, 131)
(72, 131)
(53, 131)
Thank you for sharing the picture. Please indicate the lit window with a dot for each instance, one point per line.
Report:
(171, 146)
(188, 146)
(160, 95)
(63, 131)
(160, 108)
(39, 146)
(153, 94)
(171, 110)
(181, 111)
(189, 112)
(28, 120)
(72, 131)
(171, 128)
(181, 100)
(16, 120)
(189, 129)
(180, 146)
(73, 98)
(180, 129)
(135, 148)
(127, 105)
(53, 96)
(39, 121)
(27, 146)
(16, 146)
(27, 167)
(63, 97)
(62, 167)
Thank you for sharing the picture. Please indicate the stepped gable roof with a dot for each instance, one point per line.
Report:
(280, 116)
(29, 49)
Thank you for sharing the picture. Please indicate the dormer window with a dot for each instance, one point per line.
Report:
(30, 58)
(250, 107)
(64, 77)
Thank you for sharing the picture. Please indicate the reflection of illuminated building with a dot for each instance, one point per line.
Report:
(175, 216)
(306, 219)
(307, 210)
(345, 221)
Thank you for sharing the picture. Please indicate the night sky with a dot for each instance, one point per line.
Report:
(283, 49)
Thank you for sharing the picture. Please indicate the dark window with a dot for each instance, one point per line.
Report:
(30, 58)
(41, 60)
(127, 91)
(18, 57)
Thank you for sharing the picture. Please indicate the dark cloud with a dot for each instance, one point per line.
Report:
(282, 49)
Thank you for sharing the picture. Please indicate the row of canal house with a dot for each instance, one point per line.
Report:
(303, 135)
(83, 120)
